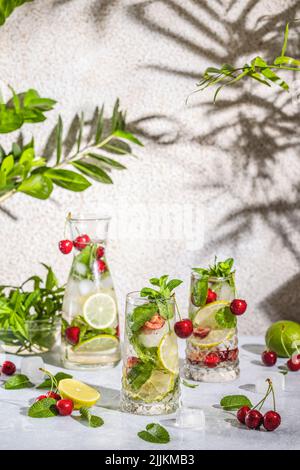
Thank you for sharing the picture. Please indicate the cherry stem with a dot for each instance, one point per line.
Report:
(273, 393)
(262, 401)
(52, 378)
(177, 308)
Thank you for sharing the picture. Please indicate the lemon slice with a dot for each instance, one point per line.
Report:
(80, 393)
(205, 316)
(168, 353)
(156, 388)
(104, 344)
(100, 311)
(214, 338)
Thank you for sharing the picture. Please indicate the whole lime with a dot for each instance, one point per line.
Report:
(283, 337)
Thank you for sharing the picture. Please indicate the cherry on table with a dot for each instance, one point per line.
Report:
(8, 368)
(64, 407)
(54, 395)
(183, 328)
(272, 420)
(238, 306)
(65, 246)
(72, 334)
(41, 397)
(81, 242)
(269, 358)
(212, 360)
(253, 419)
(294, 363)
(211, 296)
(241, 414)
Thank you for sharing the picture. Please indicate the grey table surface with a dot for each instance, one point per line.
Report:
(119, 432)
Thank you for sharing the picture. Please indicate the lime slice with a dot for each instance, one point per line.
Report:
(156, 388)
(168, 353)
(100, 311)
(80, 393)
(205, 316)
(98, 344)
(214, 338)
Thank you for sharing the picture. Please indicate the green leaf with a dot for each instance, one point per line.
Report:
(235, 402)
(285, 40)
(268, 73)
(173, 284)
(59, 132)
(7, 164)
(43, 409)
(127, 136)
(93, 420)
(285, 60)
(68, 179)
(141, 314)
(38, 186)
(99, 126)
(139, 374)
(155, 433)
(189, 385)
(7, 7)
(59, 376)
(17, 381)
(200, 290)
(93, 172)
(51, 279)
(148, 292)
(107, 161)
(225, 319)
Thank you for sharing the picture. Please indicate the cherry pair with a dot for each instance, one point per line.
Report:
(64, 406)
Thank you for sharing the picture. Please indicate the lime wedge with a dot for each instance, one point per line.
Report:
(156, 388)
(213, 339)
(80, 393)
(104, 344)
(168, 353)
(100, 311)
(205, 316)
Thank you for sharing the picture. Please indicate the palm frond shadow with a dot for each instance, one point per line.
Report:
(283, 303)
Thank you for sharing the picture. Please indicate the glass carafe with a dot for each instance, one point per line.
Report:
(150, 383)
(212, 350)
(90, 323)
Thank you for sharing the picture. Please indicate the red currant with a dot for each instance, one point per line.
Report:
(101, 266)
(183, 328)
(238, 306)
(211, 360)
(65, 246)
(211, 296)
(81, 242)
(8, 368)
(294, 363)
(241, 414)
(269, 358)
(100, 252)
(253, 419)
(272, 420)
(54, 395)
(64, 407)
(72, 334)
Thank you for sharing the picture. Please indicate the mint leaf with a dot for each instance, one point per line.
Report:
(235, 402)
(43, 409)
(199, 293)
(139, 374)
(189, 385)
(166, 309)
(225, 319)
(59, 376)
(18, 381)
(155, 433)
(141, 314)
(93, 420)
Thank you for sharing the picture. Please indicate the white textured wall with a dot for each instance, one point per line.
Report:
(237, 163)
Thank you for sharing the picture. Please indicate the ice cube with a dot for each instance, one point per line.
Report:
(86, 286)
(193, 418)
(278, 380)
(80, 268)
(30, 366)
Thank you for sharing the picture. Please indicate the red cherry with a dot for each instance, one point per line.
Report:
(101, 266)
(65, 246)
(132, 361)
(201, 332)
(100, 252)
(294, 363)
(155, 323)
(241, 414)
(72, 334)
(223, 355)
(41, 397)
(269, 358)
(8, 368)
(81, 242)
(64, 407)
(54, 395)
(183, 328)
(253, 419)
(238, 306)
(272, 420)
(211, 296)
(211, 360)
(233, 354)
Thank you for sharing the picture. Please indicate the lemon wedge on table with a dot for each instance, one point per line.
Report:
(102, 344)
(205, 316)
(80, 393)
(100, 311)
(159, 384)
(214, 338)
(168, 353)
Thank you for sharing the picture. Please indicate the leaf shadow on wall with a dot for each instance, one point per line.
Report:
(258, 139)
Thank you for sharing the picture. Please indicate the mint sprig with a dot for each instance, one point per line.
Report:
(18, 381)
(139, 374)
(225, 319)
(93, 420)
(218, 269)
(155, 433)
(165, 288)
(43, 409)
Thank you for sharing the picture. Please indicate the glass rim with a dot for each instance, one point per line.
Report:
(213, 278)
(55, 319)
(89, 217)
(134, 297)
